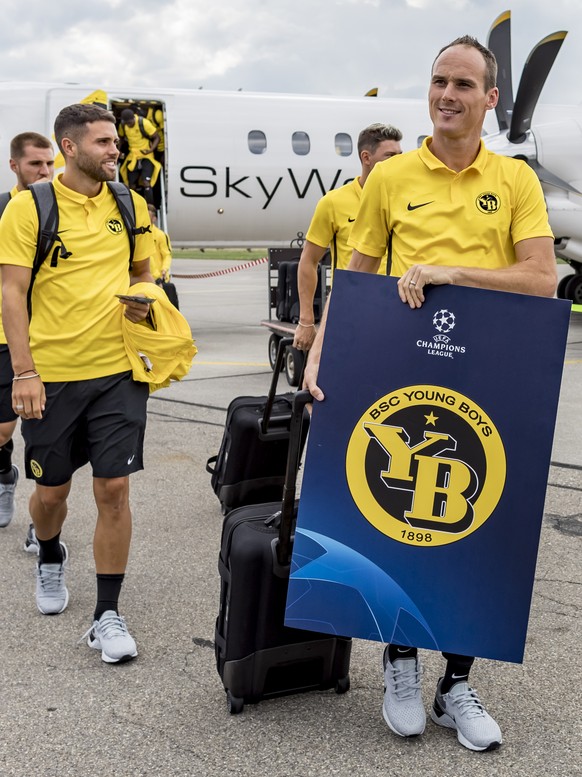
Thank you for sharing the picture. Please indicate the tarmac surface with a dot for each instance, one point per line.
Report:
(64, 713)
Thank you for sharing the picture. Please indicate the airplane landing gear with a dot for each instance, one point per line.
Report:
(570, 287)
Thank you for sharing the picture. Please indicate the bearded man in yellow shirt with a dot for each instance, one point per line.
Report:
(73, 387)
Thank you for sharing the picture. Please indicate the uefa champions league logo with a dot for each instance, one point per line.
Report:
(444, 321)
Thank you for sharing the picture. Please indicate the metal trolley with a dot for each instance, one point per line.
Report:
(293, 361)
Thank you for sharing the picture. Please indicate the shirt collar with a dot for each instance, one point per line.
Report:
(77, 197)
(431, 161)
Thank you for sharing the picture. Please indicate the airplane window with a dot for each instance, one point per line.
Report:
(343, 144)
(301, 143)
(257, 142)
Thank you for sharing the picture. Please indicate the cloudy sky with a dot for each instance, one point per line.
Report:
(339, 47)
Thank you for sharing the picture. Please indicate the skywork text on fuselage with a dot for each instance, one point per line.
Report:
(205, 181)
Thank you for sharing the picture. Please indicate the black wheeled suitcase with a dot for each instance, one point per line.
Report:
(257, 656)
(251, 461)
(171, 292)
(288, 292)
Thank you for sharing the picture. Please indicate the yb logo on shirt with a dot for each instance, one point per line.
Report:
(425, 465)
(115, 226)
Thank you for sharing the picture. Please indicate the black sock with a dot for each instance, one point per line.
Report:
(50, 551)
(6, 460)
(457, 671)
(400, 651)
(108, 590)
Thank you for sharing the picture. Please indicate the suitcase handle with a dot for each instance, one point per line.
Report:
(284, 545)
(283, 343)
(211, 460)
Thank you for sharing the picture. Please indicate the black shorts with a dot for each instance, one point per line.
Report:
(6, 412)
(143, 170)
(101, 421)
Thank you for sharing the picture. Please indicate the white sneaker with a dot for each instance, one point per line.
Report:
(403, 709)
(31, 543)
(52, 595)
(461, 709)
(7, 499)
(110, 635)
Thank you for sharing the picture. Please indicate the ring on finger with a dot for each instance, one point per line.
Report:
(412, 283)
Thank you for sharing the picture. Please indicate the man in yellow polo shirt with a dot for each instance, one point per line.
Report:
(332, 222)
(73, 386)
(454, 213)
(32, 159)
(161, 259)
(140, 168)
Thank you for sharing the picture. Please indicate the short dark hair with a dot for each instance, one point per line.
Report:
(370, 138)
(127, 115)
(488, 56)
(72, 121)
(19, 143)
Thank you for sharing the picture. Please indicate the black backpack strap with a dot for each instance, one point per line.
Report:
(144, 134)
(47, 211)
(48, 236)
(4, 200)
(126, 207)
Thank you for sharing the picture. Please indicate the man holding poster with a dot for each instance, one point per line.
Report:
(452, 212)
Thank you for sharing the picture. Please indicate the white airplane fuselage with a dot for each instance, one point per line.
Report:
(220, 193)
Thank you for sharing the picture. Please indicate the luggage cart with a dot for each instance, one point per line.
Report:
(280, 327)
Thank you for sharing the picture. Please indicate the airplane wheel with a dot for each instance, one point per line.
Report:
(561, 290)
(293, 365)
(273, 347)
(573, 289)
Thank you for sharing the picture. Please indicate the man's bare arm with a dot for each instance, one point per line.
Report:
(359, 263)
(311, 256)
(140, 273)
(534, 273)
(28, 395)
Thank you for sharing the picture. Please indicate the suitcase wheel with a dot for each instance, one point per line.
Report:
(293, 365)
(235, 704)
(343, 684)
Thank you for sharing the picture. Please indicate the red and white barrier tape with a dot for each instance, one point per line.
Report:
(225, 271)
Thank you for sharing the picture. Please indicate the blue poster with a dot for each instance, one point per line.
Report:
(426, 469)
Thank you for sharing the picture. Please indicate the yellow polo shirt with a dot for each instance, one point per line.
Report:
(334, 216)
(161, 259)
(75, 331)
(135, 139)
(13, 193)
(434, 215)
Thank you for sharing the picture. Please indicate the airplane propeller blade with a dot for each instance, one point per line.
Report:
(533, 78)
(499, 42)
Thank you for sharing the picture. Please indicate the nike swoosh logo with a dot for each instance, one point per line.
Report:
(421, 205)
(131, 458)
(459, 676)
(350, 220)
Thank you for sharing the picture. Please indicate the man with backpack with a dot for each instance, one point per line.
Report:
(73, 386)
(140, 168)
(32, 159)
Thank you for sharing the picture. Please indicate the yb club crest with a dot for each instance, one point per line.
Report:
(425, 465)
(115, 226)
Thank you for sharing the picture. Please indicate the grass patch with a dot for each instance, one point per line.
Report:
(235, 254)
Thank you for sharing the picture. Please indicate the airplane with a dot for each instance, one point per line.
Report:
(245, 169)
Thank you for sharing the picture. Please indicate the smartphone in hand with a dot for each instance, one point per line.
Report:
(135, 298)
